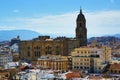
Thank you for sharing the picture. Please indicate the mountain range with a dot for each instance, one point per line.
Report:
(27, 34)
(117, 35)
(24, 34)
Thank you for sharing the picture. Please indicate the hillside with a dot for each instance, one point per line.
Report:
(24, 34)
(104, 39)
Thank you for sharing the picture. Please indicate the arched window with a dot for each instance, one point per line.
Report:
(48, 50)
(28, 53)
(80, 24)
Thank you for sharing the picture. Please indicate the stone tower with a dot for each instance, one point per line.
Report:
(81, 30)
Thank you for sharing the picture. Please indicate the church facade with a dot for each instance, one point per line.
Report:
(44, 45)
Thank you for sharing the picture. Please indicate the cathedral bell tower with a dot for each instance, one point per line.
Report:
(81, 30)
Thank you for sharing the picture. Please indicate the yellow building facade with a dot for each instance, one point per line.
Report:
(90, 59)
(53, 62)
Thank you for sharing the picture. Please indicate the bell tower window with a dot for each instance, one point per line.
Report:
(80, 24)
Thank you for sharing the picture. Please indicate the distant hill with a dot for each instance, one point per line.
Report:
(24, 34)
(105, 39)
(117, 35)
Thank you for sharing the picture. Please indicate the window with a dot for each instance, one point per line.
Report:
(115, 71)
(37, 47)
(87, 59)
(81, 59)
(46, 52)
(74, 67)
(39, 54)
(28, 53)
(57, 53)
(87, 67)
(111, 71)
(57, 47)
(80, 24)
(77, 67)
(35, 53)
(81, 51)
(87, 63)
(99, 68)
(28, 47)
(81, 67)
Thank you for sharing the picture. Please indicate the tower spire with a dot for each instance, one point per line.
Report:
(80, 10)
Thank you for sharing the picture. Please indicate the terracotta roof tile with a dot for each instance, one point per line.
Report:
(115, 66)
(73, 75)
(95, 77)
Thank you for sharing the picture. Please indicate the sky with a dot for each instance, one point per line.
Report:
(59, 16)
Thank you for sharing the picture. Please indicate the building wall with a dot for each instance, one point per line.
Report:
(81, 63)
(53, 62)
(34, 49)
(91, 59)
(4, 75)
(5, 57)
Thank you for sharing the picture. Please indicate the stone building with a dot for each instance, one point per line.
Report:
(44, 45)
(33, 49)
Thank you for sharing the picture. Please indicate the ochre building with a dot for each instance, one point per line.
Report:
(33, 49)
(53, 62)
(44, 45)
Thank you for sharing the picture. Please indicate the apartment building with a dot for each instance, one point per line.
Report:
(90, 59)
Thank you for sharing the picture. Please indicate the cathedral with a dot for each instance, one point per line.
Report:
(44, 45)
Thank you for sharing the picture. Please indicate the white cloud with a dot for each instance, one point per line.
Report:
(105, 22)
(7, 27)
(16, 11)
(98, 23)
(112, 1)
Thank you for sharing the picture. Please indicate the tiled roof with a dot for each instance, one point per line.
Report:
(95, 77)
(75, 74)
(115, 66)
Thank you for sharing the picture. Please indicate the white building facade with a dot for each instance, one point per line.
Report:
(5, 57)
(90, 59)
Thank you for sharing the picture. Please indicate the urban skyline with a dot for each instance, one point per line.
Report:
(58, 17)
(71, 55)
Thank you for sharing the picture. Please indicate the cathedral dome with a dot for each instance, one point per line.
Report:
(81, 16)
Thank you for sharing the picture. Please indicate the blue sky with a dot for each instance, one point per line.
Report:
(59, 16)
